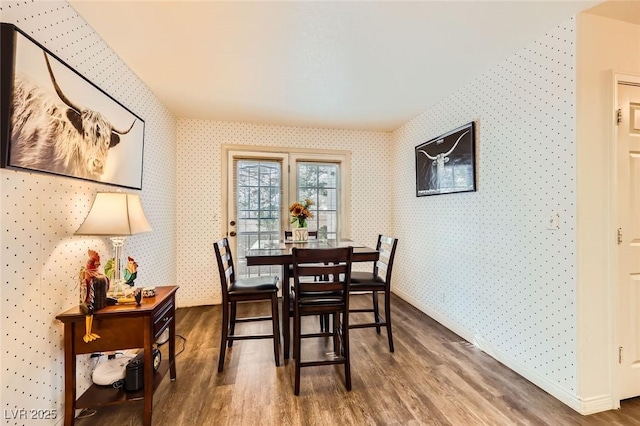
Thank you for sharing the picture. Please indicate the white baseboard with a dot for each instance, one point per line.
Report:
(582, 406)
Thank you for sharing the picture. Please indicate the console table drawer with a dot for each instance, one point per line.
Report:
(162, 318)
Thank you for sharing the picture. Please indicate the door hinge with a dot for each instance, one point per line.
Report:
(620, 355)
(619, 236)
(618, 116)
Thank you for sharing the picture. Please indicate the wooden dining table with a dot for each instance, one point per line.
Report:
(274, 252)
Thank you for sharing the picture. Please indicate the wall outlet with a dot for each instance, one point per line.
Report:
(553, 221)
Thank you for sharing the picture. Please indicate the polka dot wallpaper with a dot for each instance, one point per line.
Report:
(40, 257)
(199, 207)
(481, 262)
(484, 261)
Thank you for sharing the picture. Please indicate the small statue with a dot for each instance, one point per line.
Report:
(109, 268)
(93, 290)
(131, 271)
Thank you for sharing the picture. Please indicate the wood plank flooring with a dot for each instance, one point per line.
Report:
(433, 378)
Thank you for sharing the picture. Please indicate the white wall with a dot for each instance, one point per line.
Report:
(200, 205)
(40, 256)
(604, 46)
(482, 263)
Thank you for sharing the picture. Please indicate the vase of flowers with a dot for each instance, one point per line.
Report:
(299, 215)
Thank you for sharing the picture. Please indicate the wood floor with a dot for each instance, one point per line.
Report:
(433, 378)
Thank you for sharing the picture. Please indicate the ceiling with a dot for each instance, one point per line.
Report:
(348, 65)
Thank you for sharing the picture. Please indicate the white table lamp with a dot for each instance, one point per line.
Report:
(116, 215)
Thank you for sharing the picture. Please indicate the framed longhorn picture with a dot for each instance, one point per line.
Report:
(54, 120)
(446, 164)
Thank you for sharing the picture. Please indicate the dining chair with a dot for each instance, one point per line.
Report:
(329, 296)
(240, 290)
(378, 281)
(324, 319)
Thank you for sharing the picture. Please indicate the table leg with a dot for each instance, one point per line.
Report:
(172, 344)
(69, 375)
(148, 372)
(285, 311)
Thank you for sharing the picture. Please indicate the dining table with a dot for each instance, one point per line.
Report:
(279, 252)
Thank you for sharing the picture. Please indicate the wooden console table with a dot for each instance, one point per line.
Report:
(119, 327)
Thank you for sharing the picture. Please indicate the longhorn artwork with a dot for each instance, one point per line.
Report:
(446, 164)
(54, 120)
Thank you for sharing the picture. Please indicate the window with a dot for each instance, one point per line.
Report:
(260, 183)
(320, 183)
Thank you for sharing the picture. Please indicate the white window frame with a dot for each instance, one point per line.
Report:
(340, 157)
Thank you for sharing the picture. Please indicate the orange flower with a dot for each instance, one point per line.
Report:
(300, 211)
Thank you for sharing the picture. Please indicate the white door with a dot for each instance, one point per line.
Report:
(257, 209)
(628, 181)
(261, 185)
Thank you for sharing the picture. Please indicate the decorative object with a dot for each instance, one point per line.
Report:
(300, 235)
(54, 120)
(299, 214)
(93, 293)
(131, 271)
(446, 164)
(149, 292)
(116, 215)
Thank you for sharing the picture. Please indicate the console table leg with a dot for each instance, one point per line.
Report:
(172, 347)
(148, 373)
(69, 376)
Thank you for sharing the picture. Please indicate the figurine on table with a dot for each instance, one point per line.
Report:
(131, 271)
(93, 292)
(130, 274)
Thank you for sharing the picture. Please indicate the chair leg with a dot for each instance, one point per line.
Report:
(346, 350)
(296, 350)
(387, 314)
(336, 338)
(276, 331)
(324, 323)
(376, 312)
(233, 321)
(223, 337)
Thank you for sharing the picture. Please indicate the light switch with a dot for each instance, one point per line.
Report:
(553, 221)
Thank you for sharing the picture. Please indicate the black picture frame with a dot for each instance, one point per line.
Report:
(446, 164)
(54, 120)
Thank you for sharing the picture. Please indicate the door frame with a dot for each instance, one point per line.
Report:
(341, 156)
(253, 155)
(617, 78)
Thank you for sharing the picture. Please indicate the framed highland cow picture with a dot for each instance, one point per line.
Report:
(54, 120)
(446, 164)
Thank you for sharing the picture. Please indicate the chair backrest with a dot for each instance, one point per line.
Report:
(289, 234)
(387, 248)
(333, 265)
(225, 265)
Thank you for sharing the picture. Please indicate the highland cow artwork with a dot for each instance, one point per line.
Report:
(56, 121)
(446, 164)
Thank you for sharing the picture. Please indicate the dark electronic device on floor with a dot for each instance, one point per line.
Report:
(134, 375)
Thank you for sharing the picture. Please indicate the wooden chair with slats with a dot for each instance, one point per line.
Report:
(329, 296)
(324, 319)
(377, 281)
(240, 290)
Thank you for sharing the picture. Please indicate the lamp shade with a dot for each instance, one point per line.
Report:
(115, 214)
